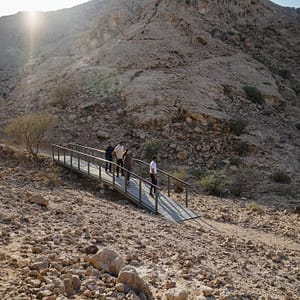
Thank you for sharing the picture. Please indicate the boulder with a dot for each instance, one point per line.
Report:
(107, 260)
(129, 276)
(102, 134)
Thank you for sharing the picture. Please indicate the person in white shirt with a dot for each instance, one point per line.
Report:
(118, 154)
(153, 175)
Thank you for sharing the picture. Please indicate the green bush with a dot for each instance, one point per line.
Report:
(213, 185)
(238, 126)
(180, 174)
(253, 94)
(151, 148)
(61, 95)
(198, 173)
(254, 207)
(31, 130)
(281, 177)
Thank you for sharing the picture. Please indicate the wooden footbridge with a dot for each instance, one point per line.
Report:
(90, 162)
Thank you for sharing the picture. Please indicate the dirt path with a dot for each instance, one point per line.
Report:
(249, 234)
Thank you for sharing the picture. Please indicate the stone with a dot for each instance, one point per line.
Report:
(91, 249)
(182, 155)
(76, 282)
(40, 265)
(102, 134)
(38, 199)
(129, 276)
(206, 291)
(69, 290)
(107, 260)
(177, 294)
(120, 287)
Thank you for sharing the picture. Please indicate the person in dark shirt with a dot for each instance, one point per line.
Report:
(109, 156)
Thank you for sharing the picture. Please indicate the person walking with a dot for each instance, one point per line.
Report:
(109, 157)
(118, 152)
(153, 175)
(127, 163)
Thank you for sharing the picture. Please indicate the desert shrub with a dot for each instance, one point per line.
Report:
(198, 173)
(241, 148)
(253, 94)
(281, 177)
(103, 81)
(236, 185)
(30, 130)
(180, 174)
(227, 90)
(151, 148)
(235, 161)
(284, 73)
(254, 207)
(213, 185)
(61, 95)
(238, 126)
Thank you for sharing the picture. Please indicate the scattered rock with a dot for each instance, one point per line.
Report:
(107, 260)
(129, 276)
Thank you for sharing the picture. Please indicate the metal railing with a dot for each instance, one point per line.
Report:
(170, 177)
(77, 158)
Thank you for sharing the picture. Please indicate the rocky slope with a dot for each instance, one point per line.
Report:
(52, 223)
(173, 72)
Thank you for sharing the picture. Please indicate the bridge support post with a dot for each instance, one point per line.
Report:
(186, 195)
(140, 193)
(114, 176)
(168, 186)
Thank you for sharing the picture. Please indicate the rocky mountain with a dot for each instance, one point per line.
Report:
(215, 84)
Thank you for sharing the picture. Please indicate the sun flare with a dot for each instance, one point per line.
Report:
(32, 16)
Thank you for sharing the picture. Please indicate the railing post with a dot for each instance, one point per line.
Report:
(78, 162)
(64, 156)
(71, 158)
(156, 201)
(88, 165)
(58, 155)
(168, 186)
(52, 152)
(100, 171)
(114, 177)
(140, 193)
(186, 195)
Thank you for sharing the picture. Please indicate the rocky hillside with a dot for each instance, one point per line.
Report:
(214, 84)
(63, 238)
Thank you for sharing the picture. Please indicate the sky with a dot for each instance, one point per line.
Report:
(10, 7)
